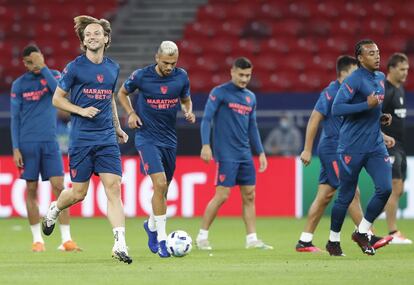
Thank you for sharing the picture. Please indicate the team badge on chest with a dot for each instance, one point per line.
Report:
(164, 89)
(100, 78)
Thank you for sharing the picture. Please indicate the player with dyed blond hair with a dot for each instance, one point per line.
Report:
(163, 90)
(90, 80)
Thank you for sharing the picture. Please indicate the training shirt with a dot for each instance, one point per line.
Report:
(394, 104)
(233, 112)
(33, 117)
(360, 131)
(328, 142)
(91, 85)
(157, 104)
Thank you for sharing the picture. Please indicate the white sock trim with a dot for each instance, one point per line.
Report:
(160, 224)
(65, 233)
(202, 234)
(364, 226)
(306, 237)
(251, 238)
(36, 233)
(334, 236)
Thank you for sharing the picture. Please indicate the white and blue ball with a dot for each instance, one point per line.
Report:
(179, 243)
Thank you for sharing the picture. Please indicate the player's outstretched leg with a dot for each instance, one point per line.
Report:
(363, 242)
(152, 238)
(49, 221)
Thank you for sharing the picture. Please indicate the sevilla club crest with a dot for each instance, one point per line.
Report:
(100, 78)
(347, 159)
(43, 82)
(164, 89)
(73, 172)
(222, 177)
(248, 100)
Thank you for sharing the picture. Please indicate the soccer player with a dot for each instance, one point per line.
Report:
(394, 103)
(35, 147)
(163, 89)
(361, 144)
(90, 81)
(232, 109)
(328, 143)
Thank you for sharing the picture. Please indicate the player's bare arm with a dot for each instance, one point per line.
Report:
(311, 130)
(187, 108)
(134, 121)
(61, 101)
(122, 136)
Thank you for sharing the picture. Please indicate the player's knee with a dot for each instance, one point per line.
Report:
(384, 191)
(160, 185)
(79, 196)
(222, 196)
(249, 197)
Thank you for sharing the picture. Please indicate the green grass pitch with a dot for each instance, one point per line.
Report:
(229, 262)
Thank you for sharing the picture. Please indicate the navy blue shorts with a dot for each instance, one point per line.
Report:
(156, 159)
(231, 173)
(42, 158)
(87, 160)
(329, 170)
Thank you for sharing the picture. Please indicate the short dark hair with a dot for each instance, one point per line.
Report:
(242, 63)
(29, 49)
(395, 59)
(359, 45)
(344, 62)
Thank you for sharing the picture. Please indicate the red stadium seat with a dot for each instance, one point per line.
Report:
(266, 62)
(291, 27)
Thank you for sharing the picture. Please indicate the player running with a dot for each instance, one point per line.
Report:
(163, 89)
(328, 143)
(90, 81)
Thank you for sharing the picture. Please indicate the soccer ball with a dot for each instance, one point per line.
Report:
(179, 243)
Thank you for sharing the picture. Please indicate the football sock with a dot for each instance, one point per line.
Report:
(364, 226)
(119, 236)
(202, 234)
(37, 236)
(334, 236)
(251, 238)
(306, 237)
(65, 233)
(160, 223)
(151, 223)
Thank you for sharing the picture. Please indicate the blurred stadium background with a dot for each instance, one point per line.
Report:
(292, 44)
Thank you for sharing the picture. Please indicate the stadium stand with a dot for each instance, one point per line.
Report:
(296, 41)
